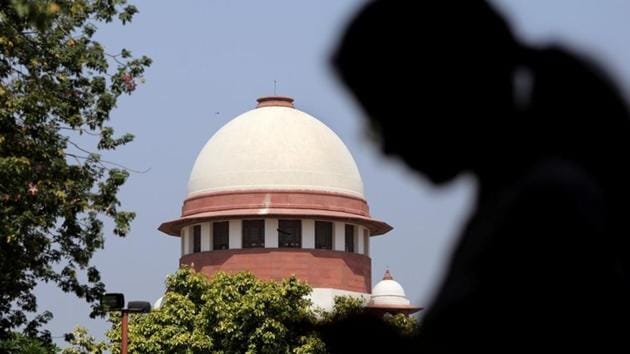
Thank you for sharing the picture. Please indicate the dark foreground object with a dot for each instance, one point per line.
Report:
(543, 262)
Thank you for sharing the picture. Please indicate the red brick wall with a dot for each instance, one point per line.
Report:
(275, 199)
(320, 268)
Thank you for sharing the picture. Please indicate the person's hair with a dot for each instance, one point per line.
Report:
(393, 49)
(579, 114)
(391, 46)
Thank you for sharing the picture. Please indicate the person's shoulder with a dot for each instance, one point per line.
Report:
(558, 175)
(557, 190)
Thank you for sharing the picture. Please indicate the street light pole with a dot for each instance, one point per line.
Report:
(116, 302)
(123, 325)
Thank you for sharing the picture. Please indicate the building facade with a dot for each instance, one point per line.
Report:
(277, 193)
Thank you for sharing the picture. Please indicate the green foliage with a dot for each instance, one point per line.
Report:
(18, 343)
(58, 87)
(348, 306)
(227, 314)
(405, 324)
(82, 343)
(344, 307)
(237, 313)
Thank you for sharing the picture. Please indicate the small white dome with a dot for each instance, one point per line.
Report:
(275, 147)
(389, 292)
(158, 303)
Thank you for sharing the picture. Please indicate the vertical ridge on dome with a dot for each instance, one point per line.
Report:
(275, 101)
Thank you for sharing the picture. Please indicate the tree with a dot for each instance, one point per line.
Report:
(347, 307)
(344, 307)
(17, 343)
(404, 324)
(83, 343)
(351, 328)
(226, 314)
(58, 87)
(237, 313)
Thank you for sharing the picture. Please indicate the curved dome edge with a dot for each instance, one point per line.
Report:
(273, 148)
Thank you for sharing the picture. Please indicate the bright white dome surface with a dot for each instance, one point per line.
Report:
(389, 292)
(275, 148)
(158, 303)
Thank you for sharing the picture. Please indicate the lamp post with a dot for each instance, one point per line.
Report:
(116, 302)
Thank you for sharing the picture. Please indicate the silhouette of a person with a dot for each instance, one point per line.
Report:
(543, 261)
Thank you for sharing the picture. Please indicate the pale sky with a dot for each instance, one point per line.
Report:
(219, 56)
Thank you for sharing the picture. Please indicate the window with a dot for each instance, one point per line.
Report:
(253, 233)
(221, 235)
(197, 238)
(290, 233)
(323, 235)
(183, 239)
(366, 242)
(349, 238)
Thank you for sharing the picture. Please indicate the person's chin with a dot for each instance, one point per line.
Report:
(442, 179)
(437, 174)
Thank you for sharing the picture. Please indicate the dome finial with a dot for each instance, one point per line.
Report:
(388, 275)
(275, 101)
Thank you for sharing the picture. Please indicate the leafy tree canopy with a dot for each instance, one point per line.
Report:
(83, 343)
(351, 328)
(17, 343)
(58, 87)
(227, 314)
(237, 313)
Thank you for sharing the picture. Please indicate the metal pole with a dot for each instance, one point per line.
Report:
(123, 344)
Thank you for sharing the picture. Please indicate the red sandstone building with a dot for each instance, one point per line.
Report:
(276, 192)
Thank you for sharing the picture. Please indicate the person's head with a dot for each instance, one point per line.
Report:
(434, 78)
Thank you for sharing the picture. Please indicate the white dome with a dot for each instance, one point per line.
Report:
(158, 303)
(274, 147)
(389, 292)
